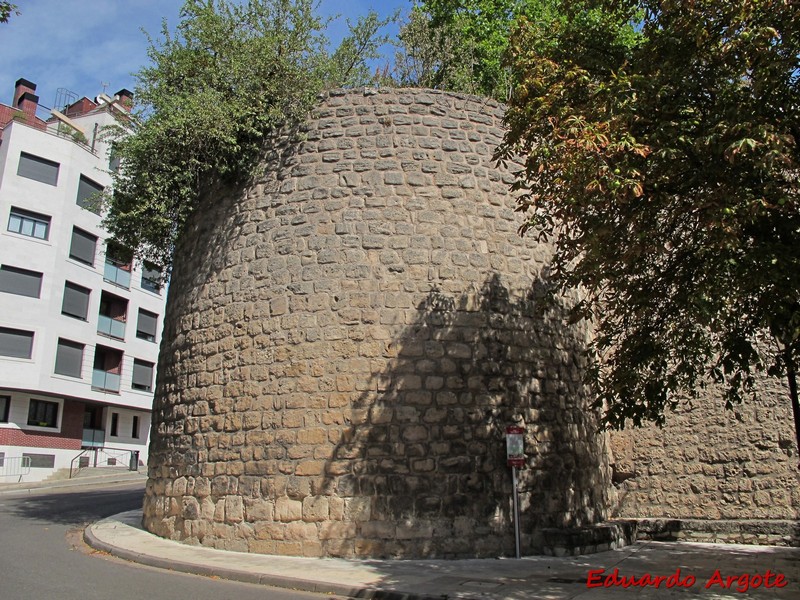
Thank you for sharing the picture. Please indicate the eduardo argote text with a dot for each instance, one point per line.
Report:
(741, 583)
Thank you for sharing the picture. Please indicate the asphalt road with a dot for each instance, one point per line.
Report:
(43, 557)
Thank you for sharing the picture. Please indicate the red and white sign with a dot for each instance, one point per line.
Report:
(515, 446)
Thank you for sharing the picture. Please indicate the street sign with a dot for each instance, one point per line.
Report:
(515, 446)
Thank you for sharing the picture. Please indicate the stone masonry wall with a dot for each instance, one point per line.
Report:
(347, 338)
(712, 463)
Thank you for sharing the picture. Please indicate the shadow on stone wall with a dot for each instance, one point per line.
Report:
(423, 465)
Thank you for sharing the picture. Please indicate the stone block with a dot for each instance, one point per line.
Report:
(315, 508)
(357, 509)
(287, 510)
(234, 509)
(310, 467)
(298, 530)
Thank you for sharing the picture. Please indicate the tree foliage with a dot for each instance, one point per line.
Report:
(229, 75)
(459, 45)
(6, 10)
(661, 148)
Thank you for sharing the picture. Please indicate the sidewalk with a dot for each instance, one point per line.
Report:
(116, 476)
(680, 570)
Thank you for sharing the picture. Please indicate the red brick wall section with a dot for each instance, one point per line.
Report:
(8, 113)
(68, 439)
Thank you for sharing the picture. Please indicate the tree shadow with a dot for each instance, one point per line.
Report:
(75, 508)
(422, 465)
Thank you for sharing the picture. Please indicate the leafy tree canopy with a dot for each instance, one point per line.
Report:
(230, 74)
(459, 45)
(661, 148)
(6, 10)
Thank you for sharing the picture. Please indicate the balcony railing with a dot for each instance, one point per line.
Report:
(111, 327)
(116, 274)
(105, 381)
(93, 438)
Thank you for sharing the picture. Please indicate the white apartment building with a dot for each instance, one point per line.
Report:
(80, 321)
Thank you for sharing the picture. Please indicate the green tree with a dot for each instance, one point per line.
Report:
(6, 10)
(350, 66)
(660, 143)
(230, 75)
(459, 45)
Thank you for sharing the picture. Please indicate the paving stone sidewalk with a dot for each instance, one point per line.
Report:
(675, 570)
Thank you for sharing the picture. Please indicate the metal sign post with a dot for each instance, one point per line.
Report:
(515, 456)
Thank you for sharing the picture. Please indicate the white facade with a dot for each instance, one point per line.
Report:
(92, 356)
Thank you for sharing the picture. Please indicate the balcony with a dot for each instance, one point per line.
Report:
(111, 327)
(93, 438)
(105, 381)
(118, 273)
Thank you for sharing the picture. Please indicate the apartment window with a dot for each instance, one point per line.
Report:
(5, 406)
(42, 413)
(106, 369)
(76, 301)
(38, 168)
(146, 325)
(16, 343)
(83, 246)
(151, 278)
(20, 281)
(114, 424)
(29, 223)
(69, 358)
(118, 265)
(142, 375)
(89, 195)
(113, 315)
(135, 427)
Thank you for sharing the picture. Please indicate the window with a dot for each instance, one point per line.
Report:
(107, 369)
(89, 195)
(29, 223)
(41, 461)
(76, 301)
(42, 413)
(142, 375)
(135, 427)
(118, 265)
(5, 405)
(146, 326)
(69, 358)
(151, 278)
(16, 343)
(114, 424)
(92, 417)
(38, 168)
(113, 315)
(83, 246)
(20, 281)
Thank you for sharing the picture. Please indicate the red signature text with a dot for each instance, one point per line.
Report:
(739, 583)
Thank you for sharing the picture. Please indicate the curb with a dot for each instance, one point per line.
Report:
(304, 585)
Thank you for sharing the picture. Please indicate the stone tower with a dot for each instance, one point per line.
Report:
(347, 338)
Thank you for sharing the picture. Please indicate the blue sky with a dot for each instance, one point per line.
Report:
(83, 45)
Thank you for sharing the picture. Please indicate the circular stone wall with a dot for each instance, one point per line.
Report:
(347, 339)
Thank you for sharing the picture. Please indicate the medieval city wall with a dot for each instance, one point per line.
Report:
(348, 336)
(347, 339)
(712, 463)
